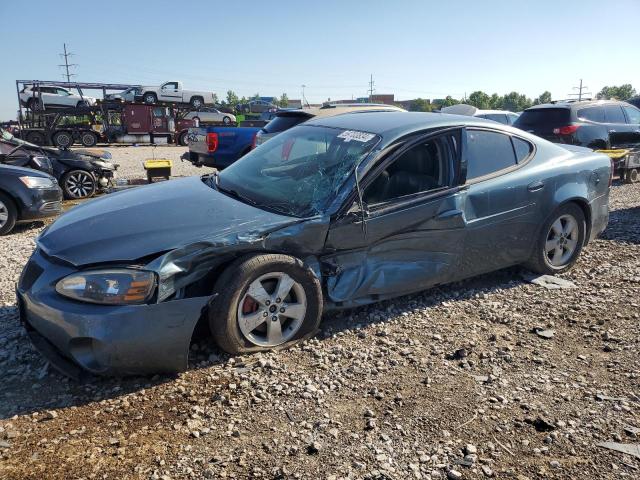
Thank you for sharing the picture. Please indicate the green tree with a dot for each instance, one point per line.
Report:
(232, 98)
(495, 102)
(545, 97)
(479, 100)
(622, 92)
(256, 96)
(516, 102)
(420, 105)
(284, 101)
(449, 101)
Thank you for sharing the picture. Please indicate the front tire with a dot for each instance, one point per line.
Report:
(264, 302)
(77, 184)
(226, 120)
(8, 214)
(150, 98)
(560, 241)
(183, 140)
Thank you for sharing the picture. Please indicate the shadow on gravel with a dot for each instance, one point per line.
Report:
(28, 384)
(624, 226)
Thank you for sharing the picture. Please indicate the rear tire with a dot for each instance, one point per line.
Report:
(249, 315)
(182, 139)
(632, 175)
(226, 120)
(8, 214)
(560, 241)
(196, 102)
(89, 139)
(62, 139)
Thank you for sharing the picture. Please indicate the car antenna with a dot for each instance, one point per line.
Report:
(360, 202)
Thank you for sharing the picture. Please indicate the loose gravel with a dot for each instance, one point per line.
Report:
(490, 377)
(130, 159)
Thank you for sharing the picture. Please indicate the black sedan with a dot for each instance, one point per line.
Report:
(335, 213)
(26, 195)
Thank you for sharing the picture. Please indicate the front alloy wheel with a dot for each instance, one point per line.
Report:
(272, 310)
(78, 184)
(264, 301)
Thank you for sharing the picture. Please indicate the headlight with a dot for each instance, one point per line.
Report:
(37, 182)
(117, 286)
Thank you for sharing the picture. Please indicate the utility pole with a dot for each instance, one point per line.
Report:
(304, 100)
(371, 85)
(66, 64)
(580, 91)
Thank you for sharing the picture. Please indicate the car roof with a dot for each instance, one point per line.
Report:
(338, 109)
(574, 104)
(394, 124)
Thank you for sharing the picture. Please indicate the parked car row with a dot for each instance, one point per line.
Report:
(80, 173)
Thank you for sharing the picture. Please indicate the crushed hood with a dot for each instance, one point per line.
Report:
(136, 223)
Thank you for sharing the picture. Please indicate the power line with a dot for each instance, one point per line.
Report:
(66, 63)
(580, 91)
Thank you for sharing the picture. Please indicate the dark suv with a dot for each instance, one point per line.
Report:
(597, 124)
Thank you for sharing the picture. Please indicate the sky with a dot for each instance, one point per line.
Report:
(413, 48)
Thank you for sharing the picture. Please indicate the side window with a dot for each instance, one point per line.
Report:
(522, 148)
(496, 117)
(592, 114)
(614, 114)
(424, 167)
(488, 152)
(512, 118)
(633, 114)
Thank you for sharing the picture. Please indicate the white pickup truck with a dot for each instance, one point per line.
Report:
(173, 92)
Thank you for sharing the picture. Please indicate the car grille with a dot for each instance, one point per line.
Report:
(30, 274)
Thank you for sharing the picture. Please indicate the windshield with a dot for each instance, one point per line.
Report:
(299, 171)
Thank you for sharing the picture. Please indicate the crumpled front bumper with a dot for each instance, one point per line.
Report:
(105, 340)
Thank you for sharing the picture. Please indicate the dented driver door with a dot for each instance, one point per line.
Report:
(406, 247)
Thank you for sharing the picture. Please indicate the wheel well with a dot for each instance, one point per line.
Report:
(16, 202)
(586, 210)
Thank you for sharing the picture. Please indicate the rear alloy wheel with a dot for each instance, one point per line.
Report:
(226, 120)
(183, 139)
(8, 214)
(560, 242)
(196, 102)
(632, 175)
(62, 139)
(78, 184)
(263, 302)
(89, 139)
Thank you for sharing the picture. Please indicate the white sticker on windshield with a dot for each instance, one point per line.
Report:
(349, 135)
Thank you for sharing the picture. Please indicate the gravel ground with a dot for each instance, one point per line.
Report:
(451, 383)
(130, 160)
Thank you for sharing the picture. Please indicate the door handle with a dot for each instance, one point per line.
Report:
(612, 130)
(535, 186)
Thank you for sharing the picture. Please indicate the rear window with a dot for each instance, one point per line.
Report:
(284, 122)
(487, 153)
(541, 117)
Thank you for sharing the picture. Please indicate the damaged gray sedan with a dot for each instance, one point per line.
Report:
(335, 213)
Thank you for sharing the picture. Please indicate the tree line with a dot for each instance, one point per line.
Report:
(514, 101)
